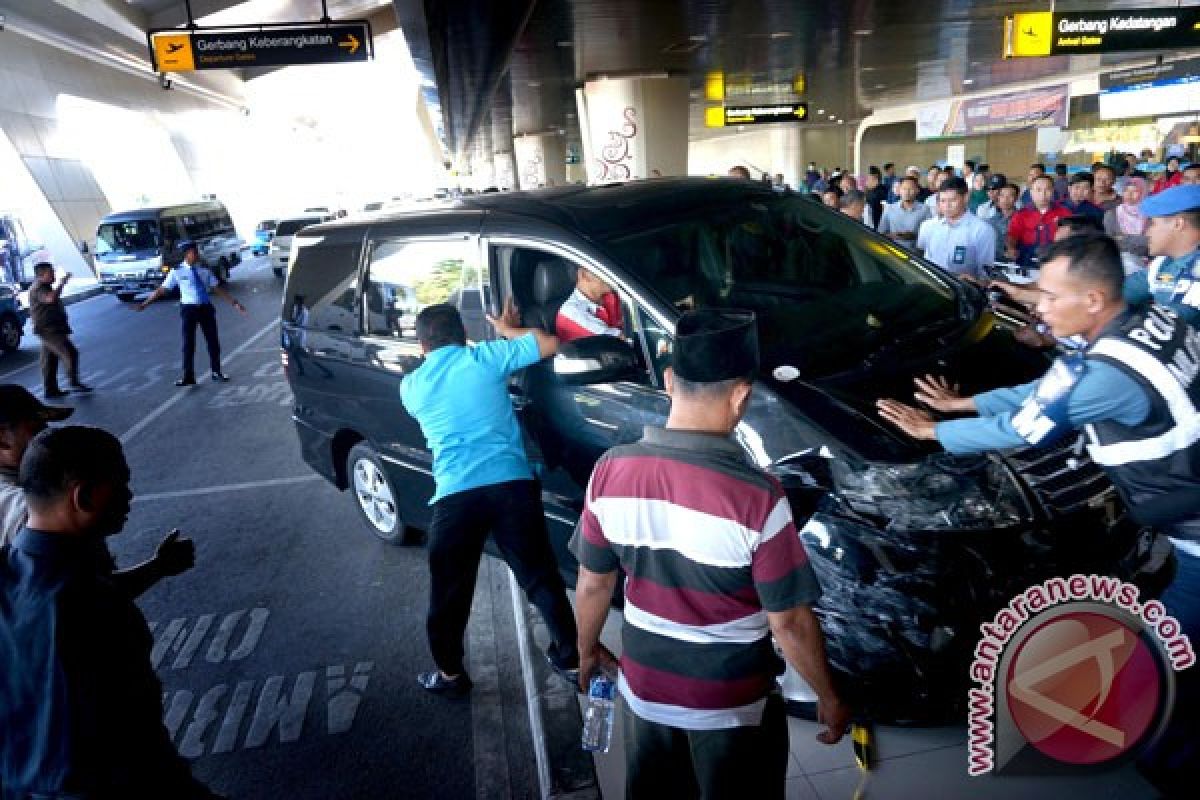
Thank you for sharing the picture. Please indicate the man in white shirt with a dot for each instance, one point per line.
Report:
(958, 241)
(196, 284)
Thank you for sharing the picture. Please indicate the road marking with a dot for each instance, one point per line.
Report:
(166, 405)
(492, 780)
(8, 375)
(536, 731)
(177, 638)
(228, 487)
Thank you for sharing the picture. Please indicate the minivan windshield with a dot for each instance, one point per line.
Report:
(127, 238)
(288, 227)
(827, 291)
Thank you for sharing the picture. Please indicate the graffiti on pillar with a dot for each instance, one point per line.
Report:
(616, 156)
(531, 172)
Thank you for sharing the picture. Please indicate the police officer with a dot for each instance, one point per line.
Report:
(1172, 279)
(196, 284)
(1135, 391)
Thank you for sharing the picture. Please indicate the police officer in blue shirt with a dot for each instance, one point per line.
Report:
(1134, 390)
(1173, 235)
(196, 284)
(484, 484)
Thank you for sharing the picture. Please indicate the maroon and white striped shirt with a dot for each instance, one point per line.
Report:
(709, 546)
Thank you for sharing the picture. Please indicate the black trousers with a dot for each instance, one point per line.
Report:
(206, 317)
(735, 763)
(512, 513)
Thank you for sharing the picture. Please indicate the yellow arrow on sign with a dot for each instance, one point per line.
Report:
(351, 43)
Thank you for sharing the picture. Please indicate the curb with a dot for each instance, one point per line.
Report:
(565, 771)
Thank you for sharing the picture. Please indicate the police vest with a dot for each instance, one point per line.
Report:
(1155, 464)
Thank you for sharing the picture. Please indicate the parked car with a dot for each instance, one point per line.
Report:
(263, 234)
(13, 314)
(913, 546)
(135, 249)
(281, 242)
(16, 249)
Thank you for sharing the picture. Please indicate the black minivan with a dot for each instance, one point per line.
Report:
(913, 546)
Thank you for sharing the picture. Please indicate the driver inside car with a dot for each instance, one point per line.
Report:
(593, 309)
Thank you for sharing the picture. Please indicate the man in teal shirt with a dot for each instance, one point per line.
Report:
(484, 484)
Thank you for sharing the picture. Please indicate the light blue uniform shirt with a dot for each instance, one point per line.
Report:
(1103, 392)
(459, 396)
(964, 246)
(195, 284)
(1170, 282)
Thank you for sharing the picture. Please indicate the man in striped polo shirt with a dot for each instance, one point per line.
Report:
(715, 566)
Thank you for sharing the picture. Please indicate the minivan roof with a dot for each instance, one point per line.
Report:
(153, 212)
(625, 206)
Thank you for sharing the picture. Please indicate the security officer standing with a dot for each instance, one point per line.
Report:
(1134, 389)
(196, 284)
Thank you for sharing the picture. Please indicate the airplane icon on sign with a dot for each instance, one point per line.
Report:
(174, 47)
(1029, 32)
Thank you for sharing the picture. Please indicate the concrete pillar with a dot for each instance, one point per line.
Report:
(634, 126)
(541, 159)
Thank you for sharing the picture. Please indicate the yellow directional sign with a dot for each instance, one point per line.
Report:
(1056, 33)
(260, 46)
(757, 115)
(173, 52)
(1033, 33)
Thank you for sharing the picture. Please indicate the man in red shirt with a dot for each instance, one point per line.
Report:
(1033, 227)
(593, 309)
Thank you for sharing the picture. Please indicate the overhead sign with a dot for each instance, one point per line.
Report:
(758, 115)
(994, 114)
(268, 46)
(1055, 33)
(1172, 88)
(1182, 71)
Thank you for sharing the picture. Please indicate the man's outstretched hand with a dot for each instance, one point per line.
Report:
(175, 554)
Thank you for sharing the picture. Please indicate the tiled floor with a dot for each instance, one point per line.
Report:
(911, 763)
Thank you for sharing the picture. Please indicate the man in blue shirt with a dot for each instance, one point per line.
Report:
(81, 705)
(1135, 391)
(1079, 198)
(484, 484)
(196, 284)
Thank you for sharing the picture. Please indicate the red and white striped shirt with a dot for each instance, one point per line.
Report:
(709, 546)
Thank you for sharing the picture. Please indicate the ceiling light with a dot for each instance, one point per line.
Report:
(699, 37)
(841, 122)
(565, 43)
(534, 84)
(863, 32)
(820, 111)
(880, 85)
(781, 34)
(968, 81)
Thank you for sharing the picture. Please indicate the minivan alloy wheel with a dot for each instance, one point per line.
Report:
(374, 496)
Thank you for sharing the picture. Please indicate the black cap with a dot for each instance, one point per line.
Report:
(997, 181)
(188, 244)
(713, 346)
(18, 405)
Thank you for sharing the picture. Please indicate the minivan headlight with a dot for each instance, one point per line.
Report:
(943, 492)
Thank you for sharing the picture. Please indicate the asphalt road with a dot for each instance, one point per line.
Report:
(288, 654)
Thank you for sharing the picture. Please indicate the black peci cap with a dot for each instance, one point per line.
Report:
(18, 405)
(713, 346)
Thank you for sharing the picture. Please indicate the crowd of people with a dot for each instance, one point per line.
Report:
(938, 211)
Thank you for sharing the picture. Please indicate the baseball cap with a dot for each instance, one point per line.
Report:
(1176, 200)
(43, 256)
(18, 405)
(912, 170)
(188, 244)
(997, 180)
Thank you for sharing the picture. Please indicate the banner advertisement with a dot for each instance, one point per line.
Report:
(995, 114)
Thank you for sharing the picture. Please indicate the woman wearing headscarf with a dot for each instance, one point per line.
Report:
(979, 194)
(1125, 223)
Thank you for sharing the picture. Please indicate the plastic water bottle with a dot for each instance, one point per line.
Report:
(598, 716)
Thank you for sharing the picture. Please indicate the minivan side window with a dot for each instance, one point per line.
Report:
(405, 276)
(324, 289)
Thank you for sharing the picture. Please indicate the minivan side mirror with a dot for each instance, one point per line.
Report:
(595, 359)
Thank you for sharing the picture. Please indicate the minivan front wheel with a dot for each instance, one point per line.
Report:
(374, 495)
